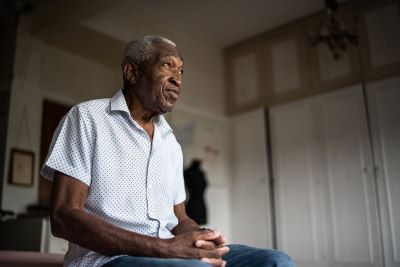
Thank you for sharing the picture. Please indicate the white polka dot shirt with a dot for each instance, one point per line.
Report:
(134, 182)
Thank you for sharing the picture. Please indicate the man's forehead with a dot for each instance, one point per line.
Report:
(166, 50)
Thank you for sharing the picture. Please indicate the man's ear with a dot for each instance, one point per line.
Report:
(131, 72)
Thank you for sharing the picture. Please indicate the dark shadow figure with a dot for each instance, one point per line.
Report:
(196, 184)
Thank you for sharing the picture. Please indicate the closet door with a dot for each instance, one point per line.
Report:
(353, 238)
(297, 189)
(251, 216)
(325, 195)
(384, 103)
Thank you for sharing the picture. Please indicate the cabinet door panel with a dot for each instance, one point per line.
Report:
(251, 214)
(243, 77)
(325, 194)
(286, 65)
(329, 72)
(384, 97)
(349, 178)
(296, 189)
(380, 27)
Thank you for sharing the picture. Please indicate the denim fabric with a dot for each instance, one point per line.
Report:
(130, 261)
(246, 256)
(238, 256)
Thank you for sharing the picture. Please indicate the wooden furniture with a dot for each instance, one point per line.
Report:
(325, 200)
(9, 258)
(380, 43)
(335, 168)
(30, 234)
(321, 174)
(282, 65)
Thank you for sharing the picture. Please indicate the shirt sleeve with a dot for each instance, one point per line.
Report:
(180, 193)
(71, 148)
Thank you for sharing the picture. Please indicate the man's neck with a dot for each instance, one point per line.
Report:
(138, 113)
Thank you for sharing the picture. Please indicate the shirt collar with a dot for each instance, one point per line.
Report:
(161, 123)
(118, 103)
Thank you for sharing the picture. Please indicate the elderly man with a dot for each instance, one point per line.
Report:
(118, 193)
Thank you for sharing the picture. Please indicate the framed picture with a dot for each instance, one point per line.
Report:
(21, 167)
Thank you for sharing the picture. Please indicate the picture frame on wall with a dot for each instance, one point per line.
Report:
(21, 167)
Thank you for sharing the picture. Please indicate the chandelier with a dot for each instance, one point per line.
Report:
(332, 32)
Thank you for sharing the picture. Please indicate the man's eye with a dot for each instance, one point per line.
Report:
(167, 64)
(181, 71)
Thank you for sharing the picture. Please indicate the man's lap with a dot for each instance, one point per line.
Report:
(238, 256)
(131, 261)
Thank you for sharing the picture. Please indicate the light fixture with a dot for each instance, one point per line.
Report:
(332, 32)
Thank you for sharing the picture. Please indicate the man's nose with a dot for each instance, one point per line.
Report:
(176, 79)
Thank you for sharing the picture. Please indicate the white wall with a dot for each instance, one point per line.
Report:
(25, 92)
(203, 80)
(43, 71)
(205, 137)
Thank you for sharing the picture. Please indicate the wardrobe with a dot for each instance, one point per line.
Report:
(324, 172)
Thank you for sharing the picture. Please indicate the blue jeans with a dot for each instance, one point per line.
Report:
(238, 256)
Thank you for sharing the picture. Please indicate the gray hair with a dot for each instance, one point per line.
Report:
(140, 49)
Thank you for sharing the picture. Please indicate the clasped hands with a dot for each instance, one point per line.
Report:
(205, 244)
(213, 241)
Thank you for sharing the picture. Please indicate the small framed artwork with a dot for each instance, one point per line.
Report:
(21, 167)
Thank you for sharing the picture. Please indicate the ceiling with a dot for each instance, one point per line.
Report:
(221, 22)
(76, 25)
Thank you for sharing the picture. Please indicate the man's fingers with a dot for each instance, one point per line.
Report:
(205, 244)
(215, 236)
(214, 262)
(220, 240)
(223, 250)
(208, 234)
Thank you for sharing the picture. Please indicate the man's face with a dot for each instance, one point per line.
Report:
(159, 82)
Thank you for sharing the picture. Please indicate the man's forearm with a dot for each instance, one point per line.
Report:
(91, 232)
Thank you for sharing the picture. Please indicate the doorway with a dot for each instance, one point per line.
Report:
(52, 114)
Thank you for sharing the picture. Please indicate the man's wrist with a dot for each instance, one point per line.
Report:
(161, 248)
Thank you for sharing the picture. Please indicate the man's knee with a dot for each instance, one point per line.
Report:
(243, 255)
(274, 258)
